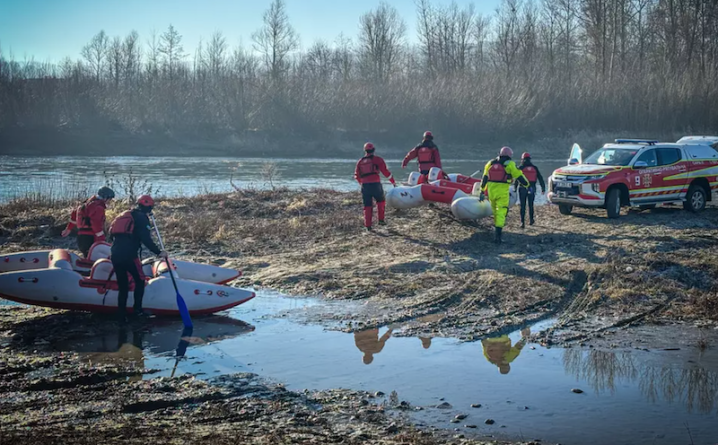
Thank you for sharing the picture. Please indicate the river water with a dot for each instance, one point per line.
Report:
(635, 397)
(73, 176)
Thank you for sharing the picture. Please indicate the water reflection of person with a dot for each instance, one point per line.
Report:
(500, 352)
(130, 354)
(425, 342)
(369, 342)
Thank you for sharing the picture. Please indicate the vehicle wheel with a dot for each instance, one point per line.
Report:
(613, 203)
(565, 209)
(695, 199)
(647, 207)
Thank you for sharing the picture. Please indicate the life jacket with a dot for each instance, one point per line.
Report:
(425, 156)
(82, 216)
(530, 172)
(123, 224)
(367, 167)
(497, 172)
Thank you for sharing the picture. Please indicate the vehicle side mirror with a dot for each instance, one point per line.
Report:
(573, 161)
(640, 164)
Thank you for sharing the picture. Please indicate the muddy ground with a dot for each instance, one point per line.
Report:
(446, 276)
(53, 398)
(424, 271)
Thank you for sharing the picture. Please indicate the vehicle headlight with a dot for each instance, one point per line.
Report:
(593, 178)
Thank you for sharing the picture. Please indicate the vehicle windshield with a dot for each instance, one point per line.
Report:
(612, 156)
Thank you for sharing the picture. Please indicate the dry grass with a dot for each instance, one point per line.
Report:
(423, 262)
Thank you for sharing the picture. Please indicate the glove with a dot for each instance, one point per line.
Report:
(543, 192)
(482, 197)
(162, 255)
(66, 233)
(394, 184)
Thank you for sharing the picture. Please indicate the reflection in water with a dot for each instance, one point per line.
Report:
(500, 352)
(182, 347)
(129, 347)
(369, 343)
(697, 387)
(123, 352)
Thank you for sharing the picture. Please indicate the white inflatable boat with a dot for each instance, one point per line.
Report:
(61, 287)
(459, 191)
(39, 259)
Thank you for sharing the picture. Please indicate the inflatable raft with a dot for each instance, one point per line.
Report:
(61, 287)
(39, 259)
(459, 191)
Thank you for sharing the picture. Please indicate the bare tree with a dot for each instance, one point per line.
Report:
(95, 53)
(381, 37)
(153, 56)
(116, 57)
(172, 52)
(215, 54)
(132, 56)
(276, 40)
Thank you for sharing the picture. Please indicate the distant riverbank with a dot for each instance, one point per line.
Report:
(109, 141)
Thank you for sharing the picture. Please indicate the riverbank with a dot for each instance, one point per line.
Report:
(607, 282)
(595, 274)
(110, 141)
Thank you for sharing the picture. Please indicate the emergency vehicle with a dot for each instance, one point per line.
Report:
(638, 173)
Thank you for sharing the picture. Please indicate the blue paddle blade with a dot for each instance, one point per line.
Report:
(184, 312)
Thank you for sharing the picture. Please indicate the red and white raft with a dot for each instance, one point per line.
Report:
(459, 191)
(39, 259)
(59, 286)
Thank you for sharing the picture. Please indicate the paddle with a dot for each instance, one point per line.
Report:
(184, 313)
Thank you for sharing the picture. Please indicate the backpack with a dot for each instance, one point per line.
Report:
(367, 167)
(123, 224)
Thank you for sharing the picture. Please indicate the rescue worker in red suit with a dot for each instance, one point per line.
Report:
(367, 175)
(427, 154)
(131, 230)
(89, 218)
(528, 194)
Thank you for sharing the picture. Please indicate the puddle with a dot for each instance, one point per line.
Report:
(629, 396)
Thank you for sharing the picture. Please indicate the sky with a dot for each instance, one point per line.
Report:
(49, 30)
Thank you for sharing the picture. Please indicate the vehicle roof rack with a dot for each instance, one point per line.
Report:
(636, 141)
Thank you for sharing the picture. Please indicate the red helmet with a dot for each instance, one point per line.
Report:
(369, 146)
(506, 151)
(525, 156)
(428, 135)
(146, 200)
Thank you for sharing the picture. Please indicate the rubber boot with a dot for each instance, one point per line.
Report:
(532, 222)
(497, 235)
(381, 209)
(523, 224)
(367, 217)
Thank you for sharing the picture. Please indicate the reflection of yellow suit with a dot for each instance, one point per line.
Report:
(499, 351)
(499, 191)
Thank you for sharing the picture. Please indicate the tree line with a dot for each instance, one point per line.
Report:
(530, 68)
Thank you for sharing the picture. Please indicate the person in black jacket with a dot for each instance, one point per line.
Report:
(528, 194)
(131, 230)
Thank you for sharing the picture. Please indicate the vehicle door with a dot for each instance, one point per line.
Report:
(670, 165)
(642, 177)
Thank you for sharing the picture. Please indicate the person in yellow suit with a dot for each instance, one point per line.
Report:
(499, 351)
(498, 175)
